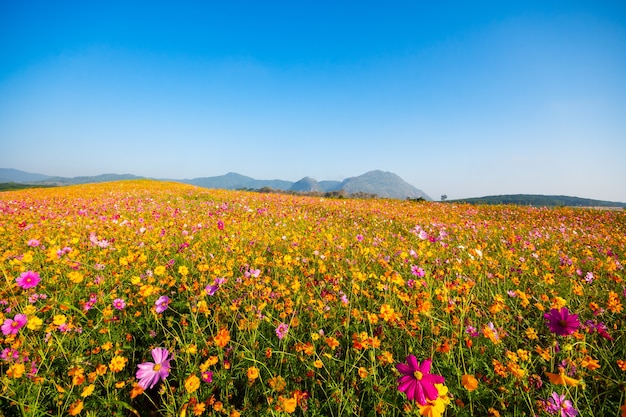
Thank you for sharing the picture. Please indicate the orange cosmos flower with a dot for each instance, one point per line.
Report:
(561, 378)
(469, 382)
(76, 408)
(222, 338)
(253, 373)
(332, 342)
(590, 363)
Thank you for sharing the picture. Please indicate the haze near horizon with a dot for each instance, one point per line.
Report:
(459, 98)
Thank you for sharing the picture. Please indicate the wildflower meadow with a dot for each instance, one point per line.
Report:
(151, 298)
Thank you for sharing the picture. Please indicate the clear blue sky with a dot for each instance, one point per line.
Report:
(466, 98)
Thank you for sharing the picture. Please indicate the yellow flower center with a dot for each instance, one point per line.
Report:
(418, 375)
(156, 367)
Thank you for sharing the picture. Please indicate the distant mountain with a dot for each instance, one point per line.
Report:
(90, 179)
(383, 184)
(14, 175)
(378, 183)
(540, 201)
(234, 181)
(306, 185)
(330, 185)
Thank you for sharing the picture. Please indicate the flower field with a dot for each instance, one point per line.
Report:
(151, 298)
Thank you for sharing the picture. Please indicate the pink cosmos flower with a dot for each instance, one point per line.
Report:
(28, 279)
(150, 373)
(217, 283)
(416, 382)
(281, 330)
(162, 303)
(557, 404)
(33, 243)
(119, 303)
(561, 322)
(13, 326)
(417, 271)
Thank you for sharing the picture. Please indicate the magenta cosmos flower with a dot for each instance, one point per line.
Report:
(150, 373)
(28, 279)
(561, 322)
(557, 404)
(162, 303)
(416, 382)
(13, 326)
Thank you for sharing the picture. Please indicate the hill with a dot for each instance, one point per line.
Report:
(383, 184)
(14, 175)
(306, 185)
(234, 181)
(541, 201)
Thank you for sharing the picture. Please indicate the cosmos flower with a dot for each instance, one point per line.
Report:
(13, 326)
(162, 303)
(561, 322)
(28, 279)
(217, 283)
(416, 382)
(119, 303)
(561, 378)
(207, 376)
(281, 330)
(33, 243)
(557, 404)
(149, 373)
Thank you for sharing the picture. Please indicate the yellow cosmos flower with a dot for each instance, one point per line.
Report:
(387, 312)
(117, 363)
(192, 383)
(29, 310)
(88, 390)
(76, 277)
(34, 323)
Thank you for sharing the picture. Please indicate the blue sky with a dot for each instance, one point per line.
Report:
(466, 98)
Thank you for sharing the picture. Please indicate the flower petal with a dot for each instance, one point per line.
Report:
(405, 369)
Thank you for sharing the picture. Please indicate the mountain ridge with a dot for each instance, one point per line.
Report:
(16, 179)
(380, 183)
